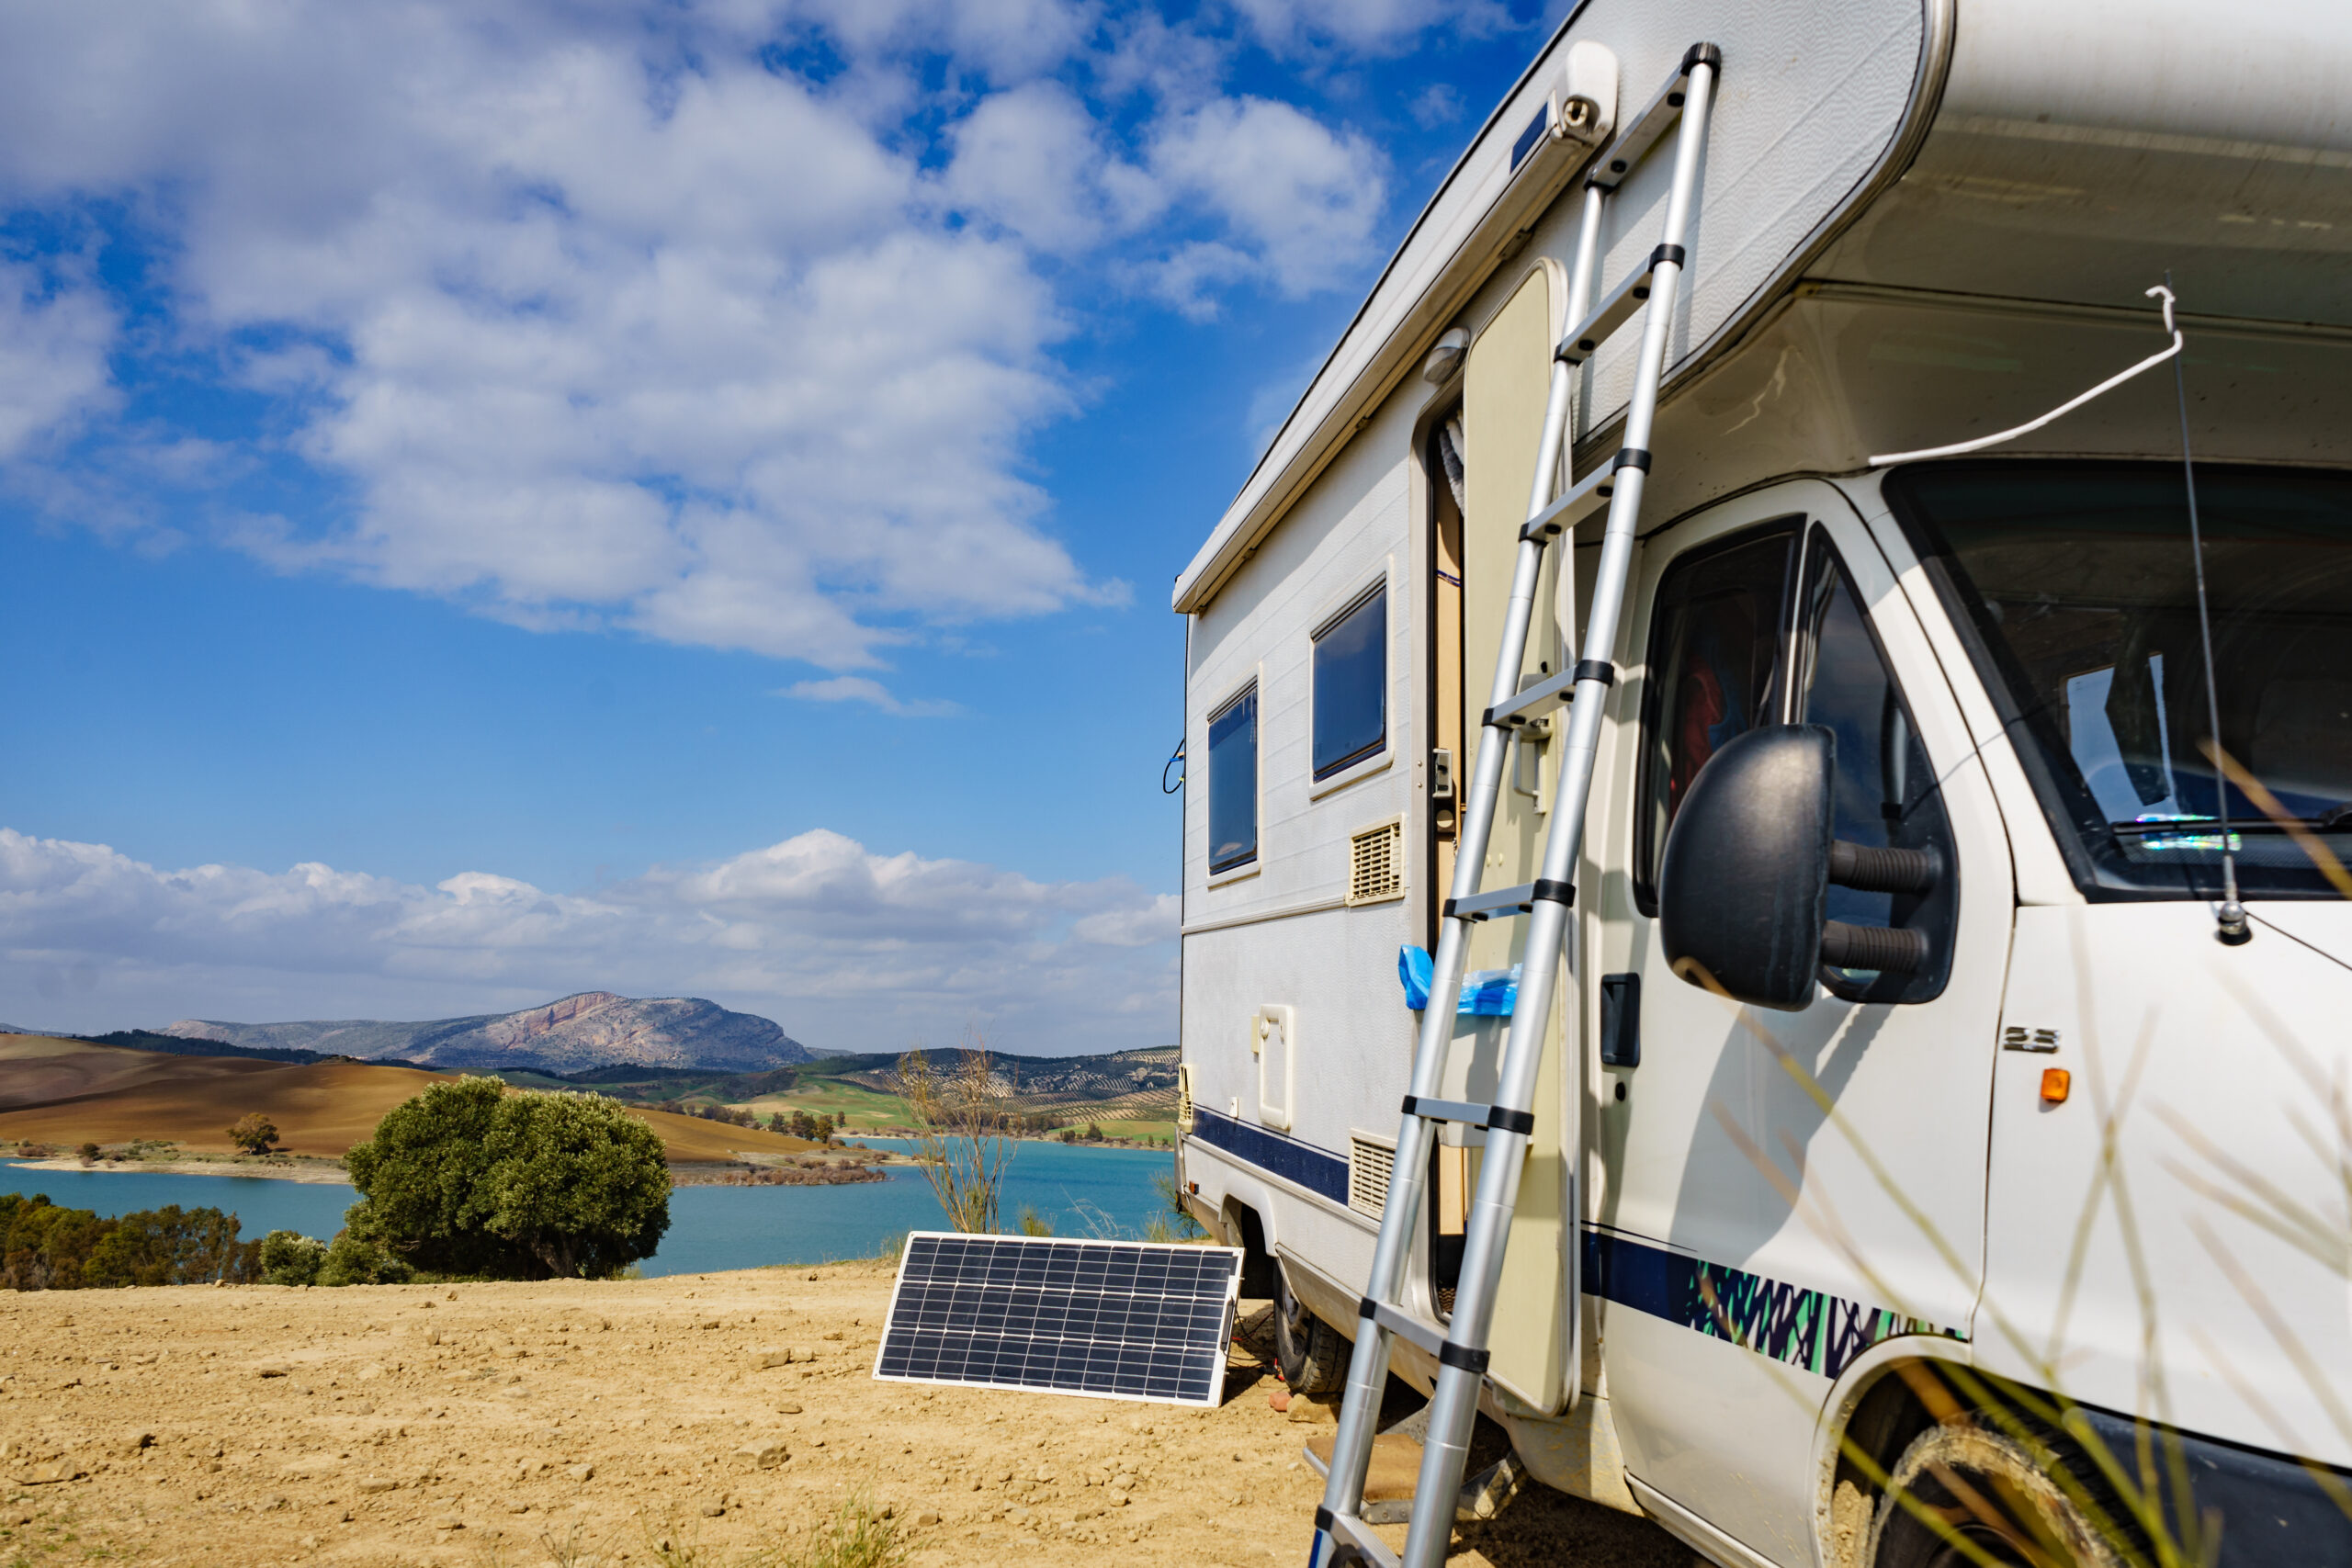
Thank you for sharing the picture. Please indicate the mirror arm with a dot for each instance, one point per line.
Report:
(1867, 870)
(1888, 950)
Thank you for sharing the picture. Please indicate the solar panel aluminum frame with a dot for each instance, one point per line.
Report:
(1201, 1376)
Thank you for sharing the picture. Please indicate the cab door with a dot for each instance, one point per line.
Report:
(1781, 1190)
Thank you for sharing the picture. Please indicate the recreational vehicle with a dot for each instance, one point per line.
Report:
(1917, 878)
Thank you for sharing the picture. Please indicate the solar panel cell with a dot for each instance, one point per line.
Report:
(1117, 1319)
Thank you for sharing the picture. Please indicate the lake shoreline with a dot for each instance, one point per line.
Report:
(320, 1174)
(715, 1227)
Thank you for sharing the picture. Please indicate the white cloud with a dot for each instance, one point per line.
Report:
(53, 346)
(1008, 38)
(1306, 198)
(845, 948)
(1033, 162)
(604, 337)
(1437, 104)
(602, 319)
(859, 689)
(1366, 26)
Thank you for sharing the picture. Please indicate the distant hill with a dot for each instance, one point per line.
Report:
(592, 1030)
(64, 1091)
(1044, 1079)
(205, 1045)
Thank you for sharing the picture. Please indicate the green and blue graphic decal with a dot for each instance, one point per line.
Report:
(1799, 1327)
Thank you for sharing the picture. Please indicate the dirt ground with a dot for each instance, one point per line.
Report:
(573, 1425)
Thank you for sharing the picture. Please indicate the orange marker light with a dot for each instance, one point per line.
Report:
(2056, 1082)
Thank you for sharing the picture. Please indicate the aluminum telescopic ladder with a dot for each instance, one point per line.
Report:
(1460, 1344)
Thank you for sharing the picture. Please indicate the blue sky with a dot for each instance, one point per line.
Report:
(677, 499)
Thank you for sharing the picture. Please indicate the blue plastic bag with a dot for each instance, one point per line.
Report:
(1485, 993)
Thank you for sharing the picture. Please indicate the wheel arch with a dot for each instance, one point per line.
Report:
(1245, 1227)
(1878, 1405)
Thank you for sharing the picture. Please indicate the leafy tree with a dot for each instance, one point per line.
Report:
(46, 1248)
(289, 1257)
(88, 1154)
(468, 1179)
(162, 1247)
(254, 1132)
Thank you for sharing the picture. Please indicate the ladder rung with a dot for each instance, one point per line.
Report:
(1536, 702)
(1470, 1115)
(1460, 1111)
(1427, 1336)
(1353, 1531)
(1609, 170)
(1583, 499)
(1521, 899)
(1579, 342)
(1482, 906)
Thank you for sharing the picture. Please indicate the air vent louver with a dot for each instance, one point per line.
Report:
(1376, 863)
(1370, 1164)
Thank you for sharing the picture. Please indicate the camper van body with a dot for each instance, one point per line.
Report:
(1921, 221)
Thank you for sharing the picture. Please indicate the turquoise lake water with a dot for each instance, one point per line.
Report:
(1078, 1191)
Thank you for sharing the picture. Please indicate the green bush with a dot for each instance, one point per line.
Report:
(289, 1257)
(468, 1179)
(349, 1261)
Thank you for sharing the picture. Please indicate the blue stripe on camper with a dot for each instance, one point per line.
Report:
(1317, 1171)
(1799, 1327)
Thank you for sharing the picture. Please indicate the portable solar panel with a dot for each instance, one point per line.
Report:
(1113, 1319)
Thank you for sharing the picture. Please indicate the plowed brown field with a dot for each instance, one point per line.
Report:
(72, 1091)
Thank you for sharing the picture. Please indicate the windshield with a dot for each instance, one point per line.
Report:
(2078, 585)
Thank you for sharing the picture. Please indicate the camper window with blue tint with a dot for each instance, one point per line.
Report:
(1351, 685)
(1233, 783)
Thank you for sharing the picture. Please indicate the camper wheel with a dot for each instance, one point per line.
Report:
(1314, 1357)
(1985, 1501)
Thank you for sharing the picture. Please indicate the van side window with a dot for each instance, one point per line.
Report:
(1233, 783)
(1352, 684)
(1714, 642)
(1885, 796)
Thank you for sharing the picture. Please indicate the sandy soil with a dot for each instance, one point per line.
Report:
(574, 1424)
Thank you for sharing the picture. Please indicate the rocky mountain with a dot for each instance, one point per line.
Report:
(593, 1029)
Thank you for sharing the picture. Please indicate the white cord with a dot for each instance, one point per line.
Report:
(2065, 408)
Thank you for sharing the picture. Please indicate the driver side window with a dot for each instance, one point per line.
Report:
(1885, 797)
(1733, 647)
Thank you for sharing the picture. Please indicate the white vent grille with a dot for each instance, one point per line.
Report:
(1184, 1096)
(1370, 1163)
(1376, 863)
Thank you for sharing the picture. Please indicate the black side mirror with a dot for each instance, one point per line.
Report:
(1744, 888)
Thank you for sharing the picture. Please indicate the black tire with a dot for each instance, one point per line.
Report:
(1314, 1357)
(1986, 1489)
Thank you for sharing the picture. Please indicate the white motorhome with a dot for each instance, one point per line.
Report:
(2089, 1147)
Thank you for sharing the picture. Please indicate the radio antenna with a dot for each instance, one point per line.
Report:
(2231, 916)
